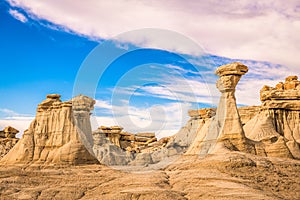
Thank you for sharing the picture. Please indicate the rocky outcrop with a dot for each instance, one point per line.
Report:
(107, 146)
(271, 129)
(8, 132)
(55, 135)
(283, 96)
(112, 146)
(127, 141)
(7, 140)
(227, 121)
(277, 125)
(168, 149)
(268, 130)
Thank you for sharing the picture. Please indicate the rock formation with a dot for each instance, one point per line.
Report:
(225, 129)
(53, 136)
(277, 125)
(8, 132)
(61, 132)
(126, 141)
(227, 122)
(268, 130)
(271, 129)
(112, 146)
(7, 140)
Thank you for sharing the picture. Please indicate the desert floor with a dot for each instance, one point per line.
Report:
(228, 176)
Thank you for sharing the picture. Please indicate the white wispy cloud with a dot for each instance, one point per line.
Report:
(260, 74)
(11, 118)
(200, 87)
(156, 118)
(17, 15)
(258, 30)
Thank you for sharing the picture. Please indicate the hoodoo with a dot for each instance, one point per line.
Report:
(224, 130)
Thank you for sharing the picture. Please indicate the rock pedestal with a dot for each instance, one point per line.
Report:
(224, 130)
(227, 119)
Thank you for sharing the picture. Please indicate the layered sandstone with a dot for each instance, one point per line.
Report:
(112, 146)
(7, 140)
(61, 132)
(247, 129)
(127, 141)
(168, 149)
(277, 125)
(55, 135)
(248, 112)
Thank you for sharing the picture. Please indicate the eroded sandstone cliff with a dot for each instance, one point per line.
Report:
(53, 136)
(277, 124)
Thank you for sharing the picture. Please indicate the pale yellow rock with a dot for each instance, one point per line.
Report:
(204, 113)
(260, 127)
(8, 132)
(228, 123)
(277, 124)
(148, 135)
(54, 135)
(235, 68)
(248, 112)
(6, 144)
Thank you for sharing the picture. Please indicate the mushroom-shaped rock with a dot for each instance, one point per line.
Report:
(224, 130)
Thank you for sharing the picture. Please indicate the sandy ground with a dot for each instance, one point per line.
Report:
(228, 176)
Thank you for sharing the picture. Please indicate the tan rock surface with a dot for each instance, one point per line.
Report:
(53, 137)
(8, 132)
(6, 144)
(248, 112)
(277, 125)
(7, 140)
(230, 176)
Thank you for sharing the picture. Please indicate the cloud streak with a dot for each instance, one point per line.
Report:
(156, 118)
(17, 15)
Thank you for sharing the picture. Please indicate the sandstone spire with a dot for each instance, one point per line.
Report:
(227, 119)
(224, 130)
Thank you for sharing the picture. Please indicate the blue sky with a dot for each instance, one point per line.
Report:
(162, 74)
